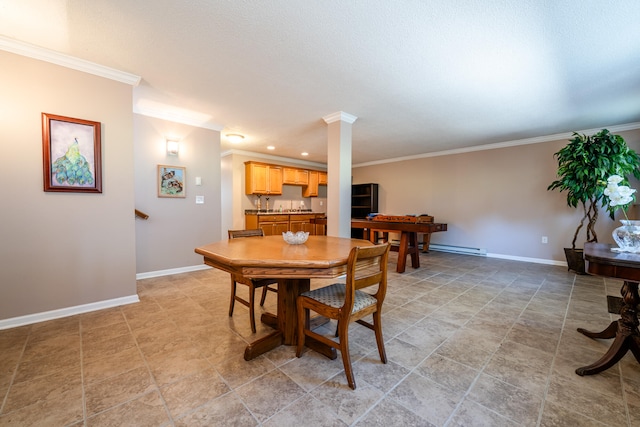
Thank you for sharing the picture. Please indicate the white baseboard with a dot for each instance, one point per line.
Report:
(170, 271)
(527, 259)
(65, 312)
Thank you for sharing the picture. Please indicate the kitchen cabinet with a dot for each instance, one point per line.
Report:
(293, 176)
(322, 178)
(261, 178)
(311, 190)
(320, 223)
(265, 178)
(302, 222)
(278, 223)
(270, 224)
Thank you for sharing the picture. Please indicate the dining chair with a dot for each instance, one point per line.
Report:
(347, 302)
(253, 284)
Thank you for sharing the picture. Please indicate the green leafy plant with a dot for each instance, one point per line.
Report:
(583, 164)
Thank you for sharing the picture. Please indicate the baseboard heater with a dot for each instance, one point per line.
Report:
(449, 248)
(458, 249)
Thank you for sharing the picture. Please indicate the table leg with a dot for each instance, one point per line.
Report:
(625, 331)
(408, 246)
(288, 291)
(263, 345)
(285, 322)
(415, 250)
(426, 241)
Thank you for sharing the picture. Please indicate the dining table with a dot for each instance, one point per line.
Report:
(293, 266)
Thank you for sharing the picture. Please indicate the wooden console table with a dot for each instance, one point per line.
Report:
(602, 261)
(408, 236)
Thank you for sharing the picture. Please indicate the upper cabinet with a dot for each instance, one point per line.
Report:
(293, 176)
(264, 178)
(261, 178)
(311, 189)
(322, 178)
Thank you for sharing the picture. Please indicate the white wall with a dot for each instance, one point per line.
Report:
(61, 250)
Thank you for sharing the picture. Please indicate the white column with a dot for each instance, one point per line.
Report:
(339, 173)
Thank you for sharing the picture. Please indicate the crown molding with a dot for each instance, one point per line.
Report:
(515, 143)
(339, 116)
(48, 55)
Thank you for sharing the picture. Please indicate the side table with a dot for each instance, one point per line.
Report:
(602, 261)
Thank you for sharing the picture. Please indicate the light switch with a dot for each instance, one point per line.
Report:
(199, 200)
(198, 180)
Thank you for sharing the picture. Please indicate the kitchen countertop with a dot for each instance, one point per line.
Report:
(284, 212)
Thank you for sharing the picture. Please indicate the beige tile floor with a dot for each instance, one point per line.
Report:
(471, 341)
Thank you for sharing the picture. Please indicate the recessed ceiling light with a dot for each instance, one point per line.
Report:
(271, 147)
(304, 154)
(234, 137)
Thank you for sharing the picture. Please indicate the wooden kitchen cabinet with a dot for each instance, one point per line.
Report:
(261, 178)
(311, 190)
(322, 178)
(302, 222)
(270, 224)
(265, 179)
(278, 223)
(293, 176)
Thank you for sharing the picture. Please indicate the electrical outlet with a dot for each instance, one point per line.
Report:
(545, 240)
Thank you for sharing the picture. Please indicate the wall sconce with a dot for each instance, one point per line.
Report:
(234, 137)
(173, 147)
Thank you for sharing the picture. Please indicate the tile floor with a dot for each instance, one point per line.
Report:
(471, 341)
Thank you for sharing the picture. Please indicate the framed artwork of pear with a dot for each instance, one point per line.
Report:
(72, 160)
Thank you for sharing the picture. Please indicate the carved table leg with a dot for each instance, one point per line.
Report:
(625, 331)
(610, 332)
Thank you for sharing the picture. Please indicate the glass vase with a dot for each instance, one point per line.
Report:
(627, 236)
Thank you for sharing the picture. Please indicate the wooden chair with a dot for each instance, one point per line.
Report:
(347, 303)
(253, 284)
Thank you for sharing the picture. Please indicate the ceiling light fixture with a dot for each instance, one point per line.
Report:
(304, 153)
(234, 137)
(270, 147)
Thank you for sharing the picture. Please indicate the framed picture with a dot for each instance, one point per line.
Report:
(71, 155)
(171, 181)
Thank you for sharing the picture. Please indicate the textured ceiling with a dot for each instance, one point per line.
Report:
(421, 76)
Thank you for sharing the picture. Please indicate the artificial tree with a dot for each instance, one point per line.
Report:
(584, 165)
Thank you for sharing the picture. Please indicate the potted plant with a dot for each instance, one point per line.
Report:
(583, 165)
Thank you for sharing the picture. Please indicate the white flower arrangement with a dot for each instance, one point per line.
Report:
(620, 196)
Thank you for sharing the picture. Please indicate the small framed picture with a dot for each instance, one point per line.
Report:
(171, 181)
(72, 160)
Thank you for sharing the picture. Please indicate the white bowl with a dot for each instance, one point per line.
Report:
(295, 238)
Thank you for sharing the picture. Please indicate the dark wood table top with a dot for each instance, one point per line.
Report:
(602, 261)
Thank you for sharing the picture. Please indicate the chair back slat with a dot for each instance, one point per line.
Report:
(375, 274)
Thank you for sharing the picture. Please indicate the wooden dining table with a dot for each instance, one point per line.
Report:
(320, 257)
